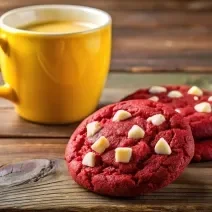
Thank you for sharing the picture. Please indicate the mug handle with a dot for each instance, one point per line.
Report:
(6, 91)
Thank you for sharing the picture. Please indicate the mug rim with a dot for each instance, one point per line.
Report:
(49, 6)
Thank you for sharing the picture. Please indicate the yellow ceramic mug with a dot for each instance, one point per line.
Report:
(54, 77)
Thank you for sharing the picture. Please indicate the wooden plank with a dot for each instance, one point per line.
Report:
(162, 50)
(153, 35)
(160, 19)
(164, 40)
(160, 65)
(54, 190)
(118, 86)
(20, 149)
(203, 5)
(14, 126)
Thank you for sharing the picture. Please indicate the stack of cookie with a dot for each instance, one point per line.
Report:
(194, 104)
(142, 143)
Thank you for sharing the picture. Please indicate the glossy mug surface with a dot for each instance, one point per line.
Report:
(54, 77)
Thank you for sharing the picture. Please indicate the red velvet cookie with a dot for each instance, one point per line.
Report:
(191, 102)
(203, 150)
(130, 148)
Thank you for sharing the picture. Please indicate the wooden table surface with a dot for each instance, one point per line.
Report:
(168, 36)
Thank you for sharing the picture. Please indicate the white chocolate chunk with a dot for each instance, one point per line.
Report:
(100, 145)
(203, 107)
(194, 90)
(157, 89)
(196, 98)
(154, 98)
(136, 132)
(175, 94)
(210, 99)
(89, 159)
(121, 115)
(157, 119)
(123, 154)
(177, 110)
(93, 128)
(162, 147)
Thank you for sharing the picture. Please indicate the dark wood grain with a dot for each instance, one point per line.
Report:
(160, 19)
(19, 149)
(46, 186)
(179, 5)
(25, 172)
(162, 36)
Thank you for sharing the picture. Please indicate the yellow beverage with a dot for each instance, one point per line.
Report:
(60, 26)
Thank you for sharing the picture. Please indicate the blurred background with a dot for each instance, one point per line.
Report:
(152, 35)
